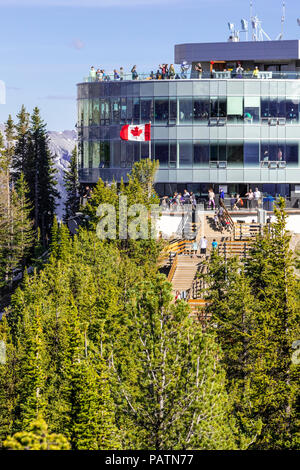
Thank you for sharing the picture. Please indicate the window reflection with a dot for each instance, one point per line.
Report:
(161, 110)
(201, 154)
(185, 154)
(201, 110)
(185, 110)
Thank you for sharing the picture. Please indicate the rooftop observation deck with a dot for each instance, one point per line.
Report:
(191, 75)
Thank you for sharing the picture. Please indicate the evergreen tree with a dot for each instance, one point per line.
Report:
(170, 377)
(32, 396)
(91, 418)
(40, 177)
(71, 183)
(36, 438)
(20, 157)
(23, 225)
(274, 379)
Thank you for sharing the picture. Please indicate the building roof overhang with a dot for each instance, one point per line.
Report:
(257, 51)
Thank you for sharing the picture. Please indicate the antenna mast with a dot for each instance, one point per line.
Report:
(282, 19)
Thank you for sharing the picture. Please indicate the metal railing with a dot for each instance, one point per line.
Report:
(192, 75)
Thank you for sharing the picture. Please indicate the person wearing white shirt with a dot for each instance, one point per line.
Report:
(257, 196)
(203, 245)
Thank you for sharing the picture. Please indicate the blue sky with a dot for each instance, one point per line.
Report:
(47, 46)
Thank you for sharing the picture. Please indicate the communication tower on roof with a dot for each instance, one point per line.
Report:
(258, 33)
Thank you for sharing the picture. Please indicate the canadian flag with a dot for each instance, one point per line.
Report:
(137, 133)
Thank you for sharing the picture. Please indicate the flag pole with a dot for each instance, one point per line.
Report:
(150, 142)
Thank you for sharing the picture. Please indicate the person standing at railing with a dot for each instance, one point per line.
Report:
(250, 198)
(171, 72)
(239, 71)
(255, 72)
(121, 73)
(116, 75)
(99, 75)
(211, 198)
(92, 73)
(134, 73)
(193, 200)
(257, 197)
(199, 70)
(184, 68)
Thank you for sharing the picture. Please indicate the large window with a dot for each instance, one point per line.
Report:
(115, 110)
(173, 154)
(162, 153)
(292, 110)
(94, 154)
(123, 110)
(235, 154)
(218, 106)
(173, 111)
(251, 109)
(217, 151)
(235, 109)
(161, 110)
(104, 155)
(273, 152)
(146, 110)
(186, 154)
(201, 111)
(185, 110)
(104, 112)
(292, 154)
(251, 154)
(86, 112)
(201, 154)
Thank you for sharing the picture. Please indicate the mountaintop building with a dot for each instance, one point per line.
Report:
(232, 128)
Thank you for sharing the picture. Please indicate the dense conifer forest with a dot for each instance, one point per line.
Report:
(95, 353)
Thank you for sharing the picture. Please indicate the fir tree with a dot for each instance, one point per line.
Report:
(20, 157)
(71, 184)
(170, 378)
(37, 437)
(40, 177)
(274, 379)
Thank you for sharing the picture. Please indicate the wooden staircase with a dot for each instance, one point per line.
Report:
(185, 273)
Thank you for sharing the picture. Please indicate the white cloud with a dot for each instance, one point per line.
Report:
(77, 44)
(83, 3)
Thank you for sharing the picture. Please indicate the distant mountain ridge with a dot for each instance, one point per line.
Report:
(61, 146)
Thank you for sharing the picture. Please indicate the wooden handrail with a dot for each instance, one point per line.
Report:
(173, 269)
(227, 216)
(178, 249)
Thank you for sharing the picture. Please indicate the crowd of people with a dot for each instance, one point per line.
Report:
(178, 200)
(251, 200)
(166, 72)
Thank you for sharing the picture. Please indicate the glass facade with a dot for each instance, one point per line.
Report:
(247, 129)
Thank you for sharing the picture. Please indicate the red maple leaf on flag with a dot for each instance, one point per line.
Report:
(136, 132)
